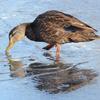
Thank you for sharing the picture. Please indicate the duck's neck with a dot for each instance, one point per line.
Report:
(33, 33)
(29, 32)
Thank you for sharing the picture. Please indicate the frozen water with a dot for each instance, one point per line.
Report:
(13, 13)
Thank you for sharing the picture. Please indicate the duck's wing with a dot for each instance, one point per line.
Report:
(63, 19)
(66, 19)
(52, 23)
(76, 23)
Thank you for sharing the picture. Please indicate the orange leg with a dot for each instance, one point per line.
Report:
(58, 47)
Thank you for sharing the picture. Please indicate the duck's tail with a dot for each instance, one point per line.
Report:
(97, 37)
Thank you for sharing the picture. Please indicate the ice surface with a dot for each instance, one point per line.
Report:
(13, 13)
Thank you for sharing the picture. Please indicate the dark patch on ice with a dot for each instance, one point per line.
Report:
(55, 78)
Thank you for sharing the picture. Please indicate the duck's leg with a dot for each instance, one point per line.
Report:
(49, 46)
(58, 48)
(48, 53)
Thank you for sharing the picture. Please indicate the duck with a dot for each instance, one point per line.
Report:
(55, 28)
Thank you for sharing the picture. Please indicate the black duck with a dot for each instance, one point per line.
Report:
(54, 28)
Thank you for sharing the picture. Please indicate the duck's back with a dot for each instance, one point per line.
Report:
(57, 27)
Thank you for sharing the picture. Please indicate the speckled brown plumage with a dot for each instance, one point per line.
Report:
(57, 27)
(54, 28)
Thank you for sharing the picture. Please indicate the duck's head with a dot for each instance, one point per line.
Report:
(18, 33)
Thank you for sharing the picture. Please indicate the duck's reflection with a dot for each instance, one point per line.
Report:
(16, 67)
(60, 77)
(53, 78)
